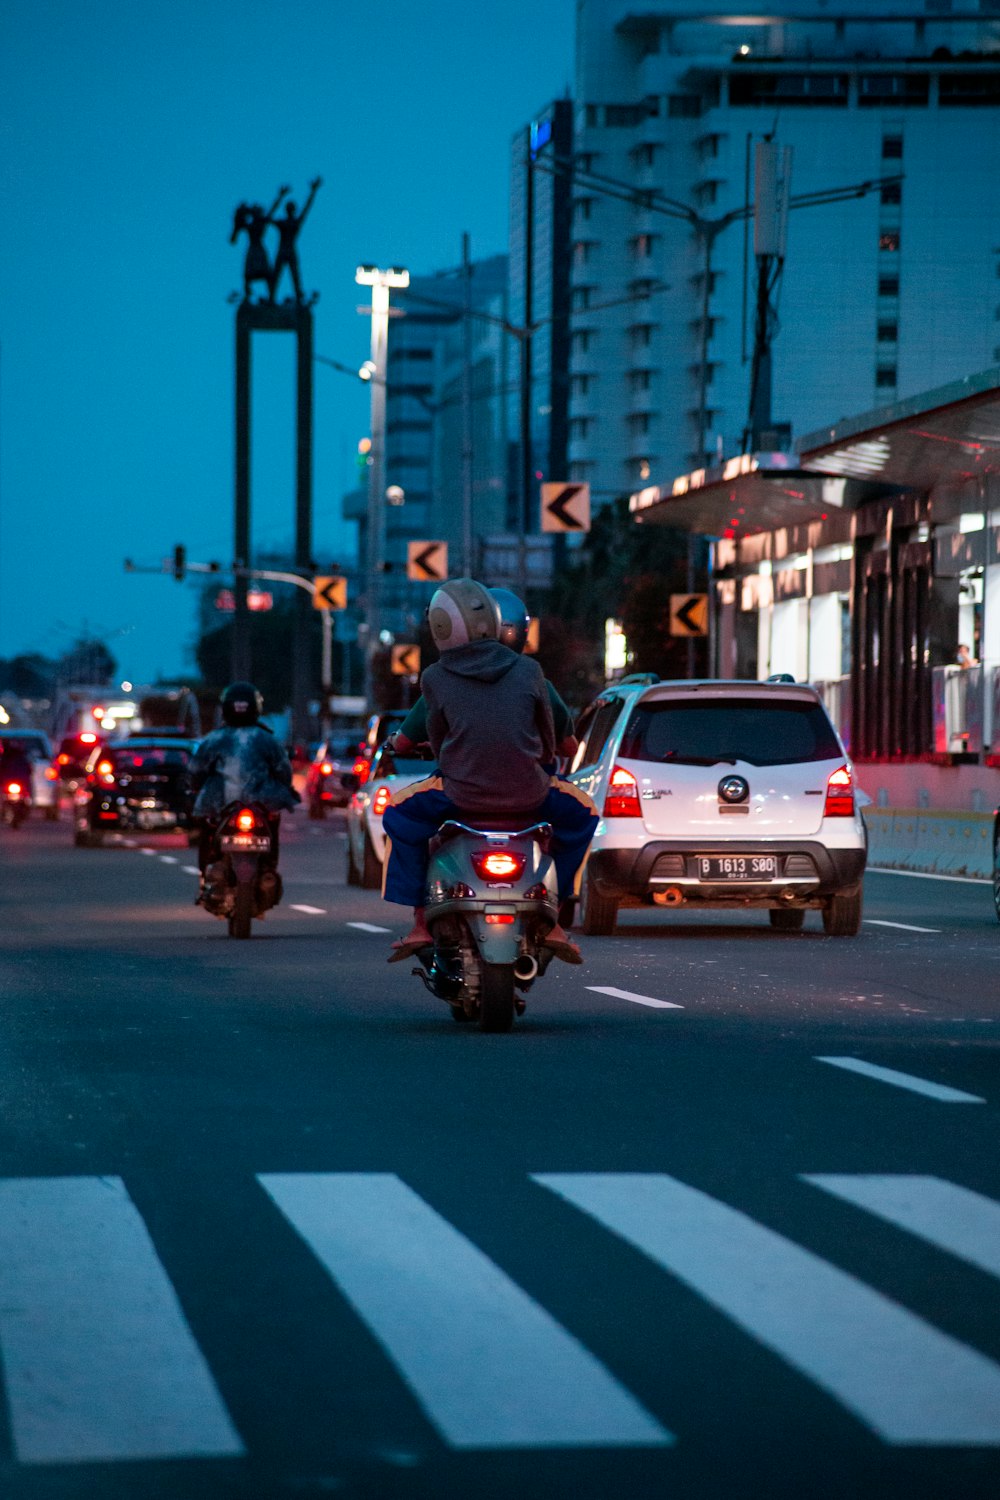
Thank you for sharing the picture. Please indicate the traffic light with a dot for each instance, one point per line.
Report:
(180, 562)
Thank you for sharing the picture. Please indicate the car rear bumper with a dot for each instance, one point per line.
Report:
(806, 869)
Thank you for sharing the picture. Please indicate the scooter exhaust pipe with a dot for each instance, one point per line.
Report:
(672, 896)
(525, 967)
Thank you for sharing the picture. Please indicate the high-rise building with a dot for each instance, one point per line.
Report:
(883, 295)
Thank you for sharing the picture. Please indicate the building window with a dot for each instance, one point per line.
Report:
(583, 207)
(401, 353)
(638, 423)
(885, 376)
(889, 240)
(892, 148)
(585, 159)
(892, 193)
(644, 155)
(639, 380)
(581, 340)
(581, 298)
(580, 471)
(888, 286)
(643, 245)
(582, 251)
(580, 384)
(888, 333)
(706, 193)
(641, 335)
(579, 427)
(623, 115)
(683, 106)
(708, 147)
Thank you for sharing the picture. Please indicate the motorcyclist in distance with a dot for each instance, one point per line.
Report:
(513, 632)
(489, 722)
(242, 761)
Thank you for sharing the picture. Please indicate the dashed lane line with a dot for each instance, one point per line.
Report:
(150, 852)
(367, 927)
(311, 911)
(927, 875)
(606, 989)
(939, 1091)
(190, 869)
(168, 859)
(903, 926)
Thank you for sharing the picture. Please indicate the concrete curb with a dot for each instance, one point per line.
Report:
(936, 842)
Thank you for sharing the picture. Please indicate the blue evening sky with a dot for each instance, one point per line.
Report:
(131, 129)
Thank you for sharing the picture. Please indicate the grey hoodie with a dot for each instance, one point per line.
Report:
(489, 721)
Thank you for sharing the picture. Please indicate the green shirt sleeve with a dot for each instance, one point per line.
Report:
(414, 726)
(561, 716)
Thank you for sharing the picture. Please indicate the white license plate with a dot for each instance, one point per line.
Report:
(156, 819)
(722, 867)
(244, 843)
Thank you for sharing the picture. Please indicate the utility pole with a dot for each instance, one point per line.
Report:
(467, 449)
(772, 183)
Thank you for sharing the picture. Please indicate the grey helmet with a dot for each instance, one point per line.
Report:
(462, 611)
(514, 619)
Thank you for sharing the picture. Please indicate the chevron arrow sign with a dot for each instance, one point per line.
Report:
(406, 661)
(427, 562)
(565, 507)
(330, 593)
(688, 614)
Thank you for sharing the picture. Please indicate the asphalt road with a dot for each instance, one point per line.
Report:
(271, 1224)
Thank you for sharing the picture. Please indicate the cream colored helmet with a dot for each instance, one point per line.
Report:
(462, 611)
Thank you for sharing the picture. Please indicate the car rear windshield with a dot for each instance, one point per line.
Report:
(707, 732)
(150, 758)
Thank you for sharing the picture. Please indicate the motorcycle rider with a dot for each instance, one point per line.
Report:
(514, 622)
(242, 761)
(489, 721)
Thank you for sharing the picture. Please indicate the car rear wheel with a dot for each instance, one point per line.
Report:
(317, 811)
(598, 914)
(496, 997)
(371, 870)
(842, 914)
(787, 918)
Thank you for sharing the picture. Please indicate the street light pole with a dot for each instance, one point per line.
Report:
(380, 282)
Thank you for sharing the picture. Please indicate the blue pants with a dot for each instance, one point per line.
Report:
(411, 822)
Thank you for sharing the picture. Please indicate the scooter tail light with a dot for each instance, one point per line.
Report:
(622, 798)
(14, 788)
(839, 793)
(361, 768)
(498, 865)
(499, 919)
(326, 769)
(245, 820)
(381, 801)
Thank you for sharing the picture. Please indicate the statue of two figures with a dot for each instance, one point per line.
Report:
(254, 220)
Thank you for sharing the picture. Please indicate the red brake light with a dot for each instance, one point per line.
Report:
(326, 769)
(245, 820)
(98, 713)
(360, 769)
(62, 760)
(495, 865)
(51, 774)
(622, 799)
(499, 919)
(839, 794)
(14, 788)
(382, 799)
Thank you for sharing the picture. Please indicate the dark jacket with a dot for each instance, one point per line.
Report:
(489, 721)
(243, 764)
(414, 726)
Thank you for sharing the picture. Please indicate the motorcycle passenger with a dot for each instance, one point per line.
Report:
(489, 721)
(514, 622)
(242, 761)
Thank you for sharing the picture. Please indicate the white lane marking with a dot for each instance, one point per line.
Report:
(129, 843)
(311, 911)
(609, 989)
(951, 1217)
(904, 1379)
(926, 875)
(151, 852)
(903, 926)
(939, 1091)
(99, 1361)
(168, 859)
(367, 927)
(454, 1324)
(190, 869)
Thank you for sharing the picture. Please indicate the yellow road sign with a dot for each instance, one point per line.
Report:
(565, 507)
(330, 593)
(406, 661)
(531, 644)
(688, 614)
(427, 562)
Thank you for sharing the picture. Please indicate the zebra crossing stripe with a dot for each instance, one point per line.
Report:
(950, 1217)
(489, 1366)
(940, 1091)
(100, 1363)
(904, 1379)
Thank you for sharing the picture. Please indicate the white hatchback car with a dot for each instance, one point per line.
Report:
(44, 776)
(365, 834)
(719, 794)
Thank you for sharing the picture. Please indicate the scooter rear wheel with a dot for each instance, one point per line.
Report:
(496, 997)
(241, 921)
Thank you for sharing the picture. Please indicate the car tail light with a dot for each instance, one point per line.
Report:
(326, 769)
(51, 774)
(361, 768)
(245, 821)
(839, 794)
(14, 788)
(62, 760)
(499, 919)
(622, 799)
(497, 865)
(98, 714)
(382, 799)
(86, 739)
(106, 771)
